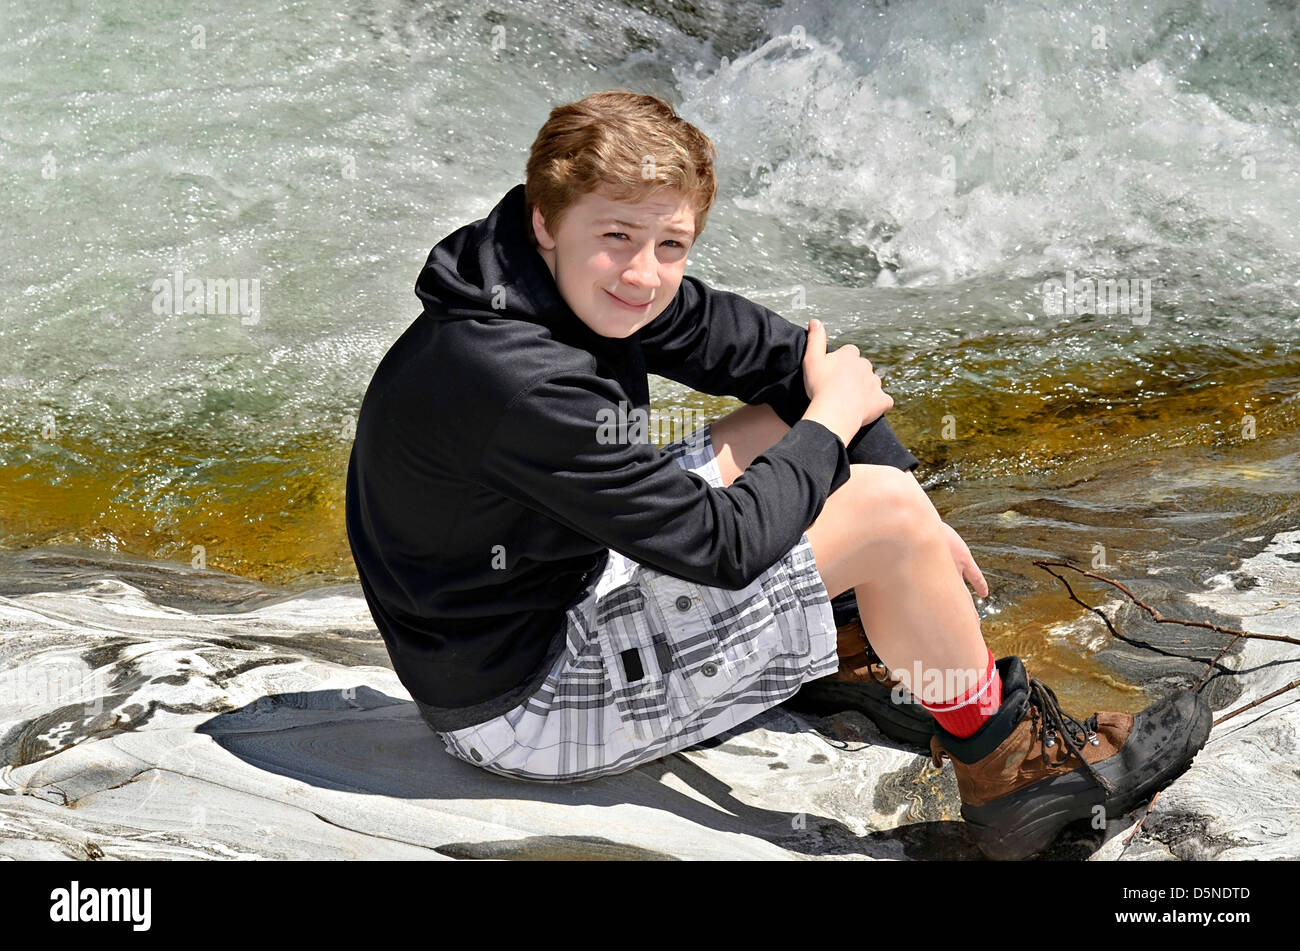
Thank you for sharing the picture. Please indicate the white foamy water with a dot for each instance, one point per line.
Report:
(952, 141)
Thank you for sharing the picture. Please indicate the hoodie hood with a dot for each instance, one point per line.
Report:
(489, 270)
(491, 266)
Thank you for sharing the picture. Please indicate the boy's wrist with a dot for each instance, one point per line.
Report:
(834, 419)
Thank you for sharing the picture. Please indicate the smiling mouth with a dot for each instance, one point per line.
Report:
(628, 303)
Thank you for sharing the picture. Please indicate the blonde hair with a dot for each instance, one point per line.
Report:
(628, 145)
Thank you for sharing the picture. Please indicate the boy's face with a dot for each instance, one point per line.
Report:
(618, 264)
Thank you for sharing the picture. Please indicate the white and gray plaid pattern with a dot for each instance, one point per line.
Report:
(654, 664)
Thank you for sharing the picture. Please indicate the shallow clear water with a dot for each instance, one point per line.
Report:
(916, 174)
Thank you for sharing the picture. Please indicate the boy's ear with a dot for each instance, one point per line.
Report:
(544, 238)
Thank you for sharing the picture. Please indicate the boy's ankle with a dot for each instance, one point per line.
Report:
(964, 715)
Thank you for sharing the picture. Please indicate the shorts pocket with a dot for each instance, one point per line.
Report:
(483, 744)
(795, 612)
(719, 640)
(635, 662)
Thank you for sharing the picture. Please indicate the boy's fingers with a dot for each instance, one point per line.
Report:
(816, 337)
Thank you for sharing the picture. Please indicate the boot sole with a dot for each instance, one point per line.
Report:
(1018, 825)
(908, 724)
(1025, 822)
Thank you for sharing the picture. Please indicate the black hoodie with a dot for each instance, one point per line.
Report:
(481, 499)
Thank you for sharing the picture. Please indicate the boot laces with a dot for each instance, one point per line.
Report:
(1049, 720)
(873, 660)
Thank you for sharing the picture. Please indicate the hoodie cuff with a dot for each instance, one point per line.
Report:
(823, 452)
(874, 444)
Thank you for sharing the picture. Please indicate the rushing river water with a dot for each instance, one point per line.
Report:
(1068, 239)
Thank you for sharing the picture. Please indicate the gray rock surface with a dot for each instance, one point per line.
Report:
(152, 711)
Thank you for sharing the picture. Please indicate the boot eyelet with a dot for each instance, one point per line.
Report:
(1092, 738)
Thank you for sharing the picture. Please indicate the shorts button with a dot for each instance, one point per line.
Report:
(708, 668)
(478, 757)
(683, 603)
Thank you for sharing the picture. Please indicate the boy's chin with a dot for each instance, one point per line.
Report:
(615, 329)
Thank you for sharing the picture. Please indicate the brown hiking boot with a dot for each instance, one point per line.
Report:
(858, 662)
(866, 685)
(1032, 769)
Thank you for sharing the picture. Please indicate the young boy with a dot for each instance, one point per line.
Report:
(564, 603)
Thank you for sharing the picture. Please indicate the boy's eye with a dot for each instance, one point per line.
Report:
(619, 234)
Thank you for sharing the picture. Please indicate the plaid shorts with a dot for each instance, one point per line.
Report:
(654, 664)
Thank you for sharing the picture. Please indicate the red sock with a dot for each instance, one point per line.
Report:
(964, 715)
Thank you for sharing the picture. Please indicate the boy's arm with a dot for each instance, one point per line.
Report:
(723, 344)
(549, 453)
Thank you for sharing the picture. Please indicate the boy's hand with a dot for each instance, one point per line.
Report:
(843, 390)
(962, 557)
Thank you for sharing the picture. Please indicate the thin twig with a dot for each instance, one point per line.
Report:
(1210, 666)
(1156, 614)
(1291, 686)
(1151, 805)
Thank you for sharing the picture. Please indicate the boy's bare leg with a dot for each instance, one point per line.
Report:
(742, 436)
(880, 535)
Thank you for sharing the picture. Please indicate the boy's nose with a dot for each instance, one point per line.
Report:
(642, 272)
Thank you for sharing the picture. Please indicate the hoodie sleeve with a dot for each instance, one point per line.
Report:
(549, 453)
(723, 344)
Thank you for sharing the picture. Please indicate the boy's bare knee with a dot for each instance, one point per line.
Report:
(890, 501)
(885, 486)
